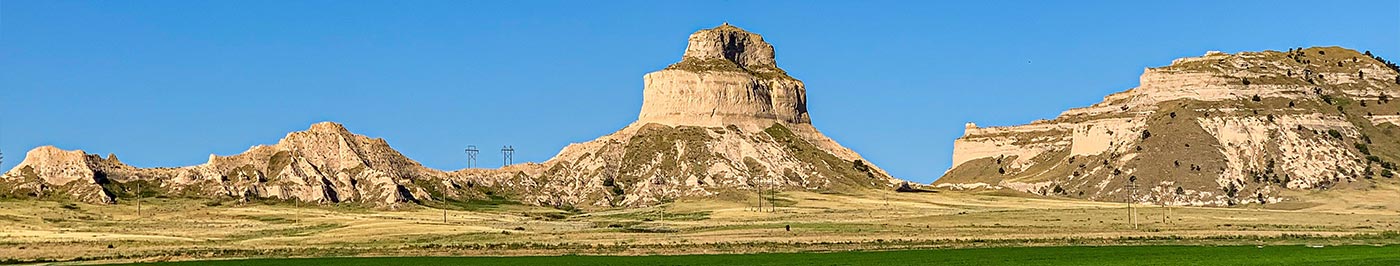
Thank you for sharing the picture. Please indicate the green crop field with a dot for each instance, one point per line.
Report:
(1019, 256)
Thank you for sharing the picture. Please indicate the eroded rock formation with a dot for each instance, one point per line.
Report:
(1220, 129)
(728, 76)
(723, 120)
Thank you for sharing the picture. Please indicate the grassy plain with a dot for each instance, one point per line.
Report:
(186, 229)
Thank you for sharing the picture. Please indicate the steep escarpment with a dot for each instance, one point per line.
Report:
(725, 121)
(1220, 129)
(727, 76)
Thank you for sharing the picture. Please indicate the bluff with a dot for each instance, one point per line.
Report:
(723, 122)
(1220, 129)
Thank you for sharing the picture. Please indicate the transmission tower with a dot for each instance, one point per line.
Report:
(471, 156)
(507, 155)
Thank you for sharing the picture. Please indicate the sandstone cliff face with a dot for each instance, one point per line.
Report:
(723, 122)
(47, 168)
(728, 76)
(1219, 129)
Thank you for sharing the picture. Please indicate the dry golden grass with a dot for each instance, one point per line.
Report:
(185, 229)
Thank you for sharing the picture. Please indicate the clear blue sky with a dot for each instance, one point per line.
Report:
(166, 83)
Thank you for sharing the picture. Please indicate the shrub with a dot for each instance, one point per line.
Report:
(1256, 98)
(609, 182)
(1387, 173)
(1334, 133)
(1246, 81)
(1146, 134)
(1363, 149)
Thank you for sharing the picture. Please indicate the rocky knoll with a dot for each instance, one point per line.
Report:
(725, 121)
(325, 164)
(1220, 129)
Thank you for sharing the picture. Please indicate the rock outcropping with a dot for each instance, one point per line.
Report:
(325, 164)
(728, 76)
(725, 120)
(1220, 129)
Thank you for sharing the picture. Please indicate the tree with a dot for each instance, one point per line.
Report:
(1146, 134)
(1246, 81)
(1256, 98)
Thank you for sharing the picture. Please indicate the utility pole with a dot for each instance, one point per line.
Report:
(444, 214)
(1132, 193)
(138, 200)
(471, 156)
(296, 202)
(762, 190)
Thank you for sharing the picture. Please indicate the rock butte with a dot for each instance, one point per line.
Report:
(1221, 129)
(723, 120)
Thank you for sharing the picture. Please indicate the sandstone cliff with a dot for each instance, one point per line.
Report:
(725, 121)
(1220, 129)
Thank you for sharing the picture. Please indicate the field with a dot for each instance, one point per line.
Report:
(1018, 256)
(817, 227)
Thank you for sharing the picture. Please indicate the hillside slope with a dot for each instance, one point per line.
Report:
(1219, 129)
(723, 122)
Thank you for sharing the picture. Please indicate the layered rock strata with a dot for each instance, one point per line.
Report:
(725, 122)
(1219, 129)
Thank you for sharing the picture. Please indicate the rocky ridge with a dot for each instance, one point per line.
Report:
(724, 122)
(1220, 129)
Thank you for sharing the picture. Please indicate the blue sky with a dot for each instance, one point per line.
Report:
(166, 83)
